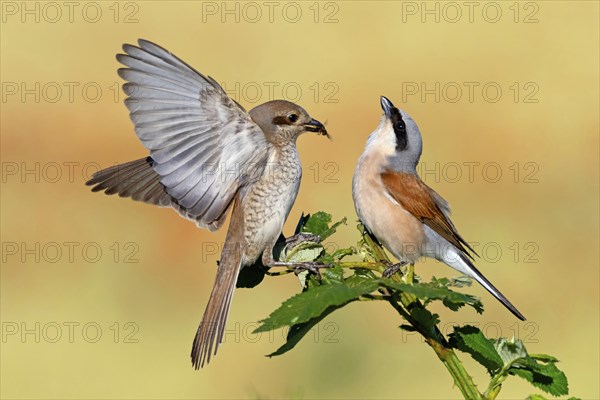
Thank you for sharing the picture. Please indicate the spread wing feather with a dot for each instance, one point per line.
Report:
(198, 137)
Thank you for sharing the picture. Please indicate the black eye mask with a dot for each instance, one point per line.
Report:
(399, 130)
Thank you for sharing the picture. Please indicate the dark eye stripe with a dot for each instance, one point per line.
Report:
(399, 130)
(281, 120)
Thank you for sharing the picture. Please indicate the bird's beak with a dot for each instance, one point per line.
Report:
(316, 126)
(387, 106)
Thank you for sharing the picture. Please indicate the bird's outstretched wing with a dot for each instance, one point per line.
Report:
(424, 204)
(135, 179)
(138, 181)
(203, 145)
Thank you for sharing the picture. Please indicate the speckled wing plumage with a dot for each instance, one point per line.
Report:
(203, 145)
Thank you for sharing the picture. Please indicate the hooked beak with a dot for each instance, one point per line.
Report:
(316, 126)
(387, 106)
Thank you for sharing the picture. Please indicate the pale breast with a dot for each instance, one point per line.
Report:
(269, 201)
(398, 230)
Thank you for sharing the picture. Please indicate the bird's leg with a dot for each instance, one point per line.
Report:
(392, 268)
(297, 267)
(278, 273)
(311, 266)
(268, 261)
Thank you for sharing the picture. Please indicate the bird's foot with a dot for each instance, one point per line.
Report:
(298, 238)
(298, 267)
(314, 267)
(393, 268)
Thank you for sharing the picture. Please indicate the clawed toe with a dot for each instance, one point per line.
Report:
(314, 267)
(298, 267)
(392, 269)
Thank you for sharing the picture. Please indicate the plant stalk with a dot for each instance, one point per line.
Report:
(435, 339)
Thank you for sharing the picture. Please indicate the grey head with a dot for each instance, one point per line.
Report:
(283, 121)
(405, 136)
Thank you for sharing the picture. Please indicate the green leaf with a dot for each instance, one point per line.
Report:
(408, 328)
(460, 281)
(305, 280)
(425, 319)
(470, 339)
(535, 397)
(332, 275)
(451, 299)
(367, 273)
(362, 282)
(333, 228)
(546, 377)
(318, 224)
(315, 301)
(329, 275)
(303, 252)
(341, 253)
(544, 358)
(510, 351)
(297, 332)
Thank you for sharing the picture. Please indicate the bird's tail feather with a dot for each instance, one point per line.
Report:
(464, 265)
(212, 328)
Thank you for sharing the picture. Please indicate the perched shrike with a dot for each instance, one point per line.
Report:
(208, 156)
(409, 218)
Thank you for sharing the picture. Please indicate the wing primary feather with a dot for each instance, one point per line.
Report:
(172, 59)
(193, 131)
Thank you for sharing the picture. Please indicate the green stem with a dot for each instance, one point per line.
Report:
(496, 384)
(435, 339)
(462, 379)
(373, 266)
(403, 303)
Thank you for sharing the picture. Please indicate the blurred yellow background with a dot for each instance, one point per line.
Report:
(101, 297)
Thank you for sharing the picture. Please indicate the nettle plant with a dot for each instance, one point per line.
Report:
(347, 281)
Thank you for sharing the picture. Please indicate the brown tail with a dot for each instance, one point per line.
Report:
(136, 179)
(211, 329)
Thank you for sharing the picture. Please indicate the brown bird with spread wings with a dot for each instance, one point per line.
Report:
(209, 156)
(409, 218)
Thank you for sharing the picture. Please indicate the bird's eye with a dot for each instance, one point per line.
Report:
(293, 117)
(400, 126)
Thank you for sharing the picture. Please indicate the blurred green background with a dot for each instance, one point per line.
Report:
(101, 297)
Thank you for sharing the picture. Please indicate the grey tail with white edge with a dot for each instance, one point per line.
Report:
(462, 264)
